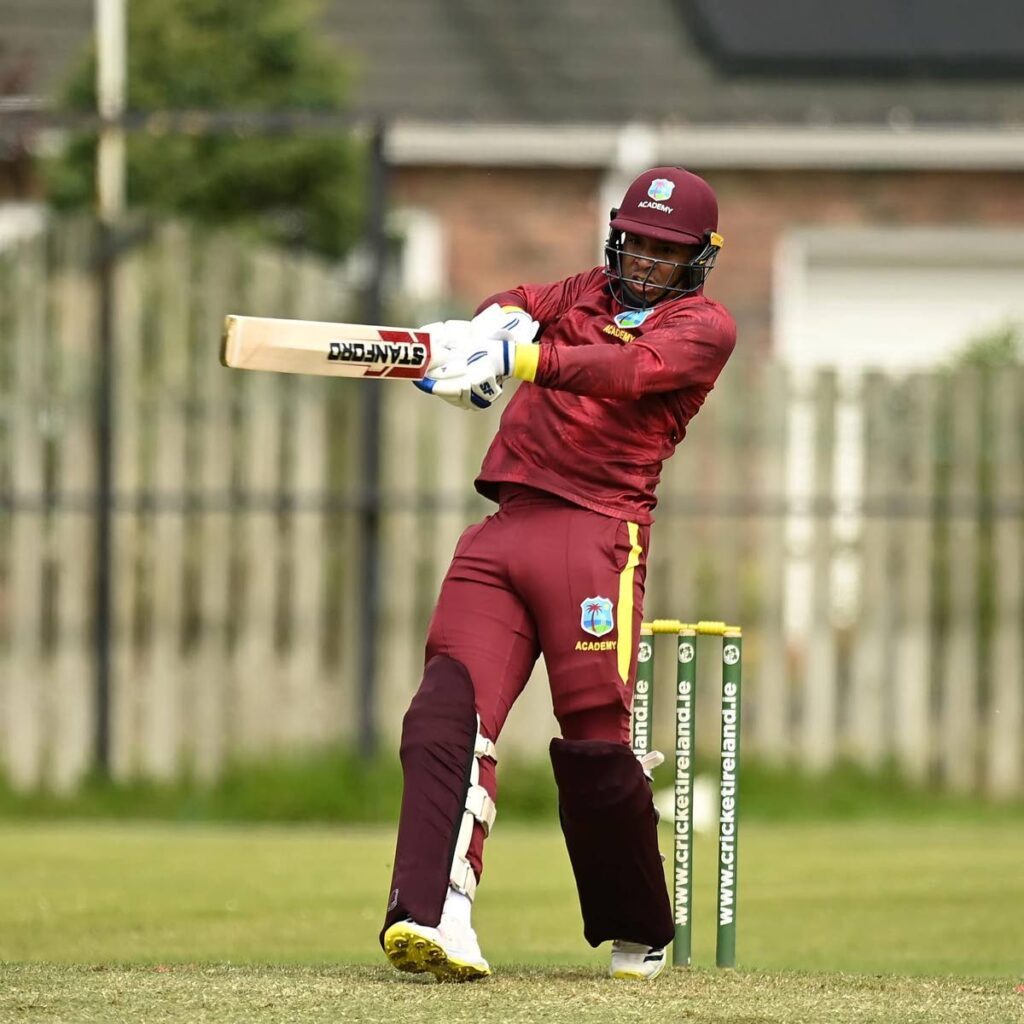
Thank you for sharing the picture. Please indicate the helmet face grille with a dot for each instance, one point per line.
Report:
(630, 291)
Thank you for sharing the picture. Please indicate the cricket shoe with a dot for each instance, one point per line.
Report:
(450, 952)
(634, 960)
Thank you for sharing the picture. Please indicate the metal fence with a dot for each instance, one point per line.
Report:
(868, 533)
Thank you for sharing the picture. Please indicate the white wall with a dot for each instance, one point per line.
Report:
(896, 298)
(20, 220)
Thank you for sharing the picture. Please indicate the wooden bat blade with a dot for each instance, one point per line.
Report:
(326, 349)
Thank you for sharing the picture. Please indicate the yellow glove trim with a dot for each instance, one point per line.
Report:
(512, 309)
(527, 357)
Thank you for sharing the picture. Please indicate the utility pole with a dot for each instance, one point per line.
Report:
(376, 229)
(111, 68)
(111, 74)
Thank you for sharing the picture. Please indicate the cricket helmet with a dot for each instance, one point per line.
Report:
(672, 205)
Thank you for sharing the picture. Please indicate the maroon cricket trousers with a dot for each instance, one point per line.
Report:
(544, 576)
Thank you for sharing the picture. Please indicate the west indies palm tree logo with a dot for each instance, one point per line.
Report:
(633, 317)
(596, 615)
(661, 189)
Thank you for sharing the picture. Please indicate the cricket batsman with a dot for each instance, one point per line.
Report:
(614, 361)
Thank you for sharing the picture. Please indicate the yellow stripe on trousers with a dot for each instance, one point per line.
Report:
(624, 611)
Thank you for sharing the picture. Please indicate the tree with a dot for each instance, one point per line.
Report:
(239, 55)
(997, 347)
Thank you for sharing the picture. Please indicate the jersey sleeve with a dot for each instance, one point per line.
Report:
(688, 351)
(545, 302)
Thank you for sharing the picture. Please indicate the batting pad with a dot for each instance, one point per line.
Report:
(438, 740)
(611, 833)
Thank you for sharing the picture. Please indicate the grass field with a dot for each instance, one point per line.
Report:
(855, 921)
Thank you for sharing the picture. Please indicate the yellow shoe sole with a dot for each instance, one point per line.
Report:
(627, 975)
(412, 952)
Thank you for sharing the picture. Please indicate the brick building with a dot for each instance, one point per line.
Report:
(872, 155)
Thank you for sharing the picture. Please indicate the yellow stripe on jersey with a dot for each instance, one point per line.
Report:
(527, 357)
(624, 611)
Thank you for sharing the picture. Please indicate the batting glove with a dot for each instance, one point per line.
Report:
(466, 371)
(505, 323)
(471, 385)
(474, 357)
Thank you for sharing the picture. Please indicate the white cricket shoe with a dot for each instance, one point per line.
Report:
(634, 960)
(450, 951)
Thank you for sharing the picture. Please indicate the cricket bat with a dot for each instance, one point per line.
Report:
(330, 350)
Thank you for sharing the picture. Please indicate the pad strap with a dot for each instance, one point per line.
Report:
(463, 878)
(479, 808)
(480, 805)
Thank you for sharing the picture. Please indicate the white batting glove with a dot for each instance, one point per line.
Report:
(465, 371)
(465, 385)
(450, 339)
(464, 394)
(513, 325)
(467, 337)
(472, 358)
(467, 366)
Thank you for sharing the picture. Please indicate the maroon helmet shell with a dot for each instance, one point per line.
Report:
(669, 204)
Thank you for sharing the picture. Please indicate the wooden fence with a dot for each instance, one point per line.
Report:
(867, 532)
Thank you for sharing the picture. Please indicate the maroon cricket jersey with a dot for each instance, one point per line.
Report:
(613, 393)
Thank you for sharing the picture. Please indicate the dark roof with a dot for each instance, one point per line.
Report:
(38, 41)
(605, 60)
(573, 61)
(981, 39)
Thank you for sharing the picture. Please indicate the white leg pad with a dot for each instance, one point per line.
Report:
(479, 808)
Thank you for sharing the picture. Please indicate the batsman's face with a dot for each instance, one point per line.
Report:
(655, 263)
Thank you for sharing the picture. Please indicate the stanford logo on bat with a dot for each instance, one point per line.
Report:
(330, 350)
(378, 353)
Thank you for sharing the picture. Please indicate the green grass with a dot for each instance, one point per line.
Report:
(334, 785)
(222, 994)
(842, 921)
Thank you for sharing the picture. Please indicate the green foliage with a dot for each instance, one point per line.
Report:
(233, 55)
(329, 785)
(848, 792)
(335, 785)
(998, 347)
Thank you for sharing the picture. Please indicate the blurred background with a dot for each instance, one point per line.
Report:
(201, 570)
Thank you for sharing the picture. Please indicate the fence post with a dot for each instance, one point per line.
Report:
(104, 412)
(818, 700)
(869, 697)
(1004, 749)
(958, 725)
(914, 547)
